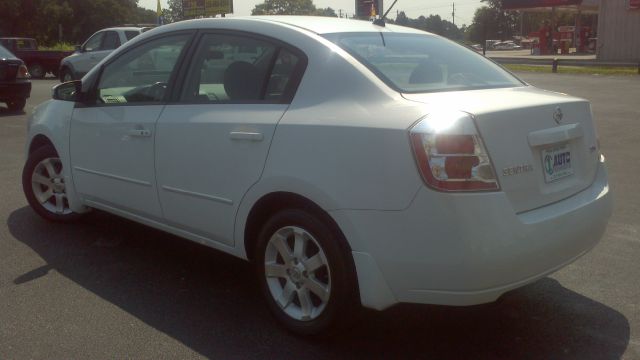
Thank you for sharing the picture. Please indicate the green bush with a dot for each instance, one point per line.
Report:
(60, 46)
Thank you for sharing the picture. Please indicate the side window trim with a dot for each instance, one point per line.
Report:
(172, 82)
(279, 45)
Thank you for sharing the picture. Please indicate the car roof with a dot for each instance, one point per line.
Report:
(327, 25)
(123, 28)
(316, 24)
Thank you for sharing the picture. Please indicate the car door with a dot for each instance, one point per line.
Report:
(112, 138)
(211, 145)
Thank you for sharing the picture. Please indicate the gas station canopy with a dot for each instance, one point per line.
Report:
(584, 6)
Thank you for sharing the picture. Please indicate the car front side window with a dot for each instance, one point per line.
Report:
(143, 73)
(94, 42)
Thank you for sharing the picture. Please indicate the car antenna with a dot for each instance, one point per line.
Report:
(380, 22)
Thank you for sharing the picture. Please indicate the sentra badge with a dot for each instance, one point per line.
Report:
(518, 169)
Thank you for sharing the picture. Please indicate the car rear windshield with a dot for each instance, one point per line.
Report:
(416, 63)
(5, 54)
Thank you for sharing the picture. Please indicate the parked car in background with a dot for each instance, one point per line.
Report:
(353, 164)
(15, 86)
(96, 48)
(39, 62)
(507, 45)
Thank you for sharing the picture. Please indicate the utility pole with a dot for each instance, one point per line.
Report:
(340, 11)
(453, 14)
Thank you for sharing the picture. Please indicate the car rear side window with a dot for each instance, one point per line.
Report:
(415, 63)
(131, 34)
(230, 68)
(143, 73)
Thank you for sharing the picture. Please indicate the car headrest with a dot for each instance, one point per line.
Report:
(426, 72)
(242, 81)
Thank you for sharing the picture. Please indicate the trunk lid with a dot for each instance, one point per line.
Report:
(540, 156)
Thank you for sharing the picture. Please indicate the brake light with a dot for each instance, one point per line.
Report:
(450, 153)
(23, 73)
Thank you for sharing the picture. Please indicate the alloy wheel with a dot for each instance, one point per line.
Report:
(49, 189)
(297, 273)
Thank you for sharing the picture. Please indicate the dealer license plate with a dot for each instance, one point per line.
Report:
(556, 162)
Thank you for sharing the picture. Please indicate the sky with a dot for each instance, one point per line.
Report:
(413, 8)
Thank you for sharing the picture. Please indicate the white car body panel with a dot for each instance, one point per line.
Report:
(528, 112)
(343, 143)
(207, 157)
(52, 120)
(112, 152)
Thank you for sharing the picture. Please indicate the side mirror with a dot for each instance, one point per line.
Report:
(68, 91)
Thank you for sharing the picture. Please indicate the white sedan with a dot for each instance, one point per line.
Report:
(353, 164)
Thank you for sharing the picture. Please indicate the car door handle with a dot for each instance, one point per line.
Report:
(140, 132)
(250, 136)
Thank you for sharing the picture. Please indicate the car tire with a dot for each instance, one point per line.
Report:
(306, 273)
(44, 188)
(37, 71)
(16, 104)
(66, 75)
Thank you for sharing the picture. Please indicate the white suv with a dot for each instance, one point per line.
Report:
(96, 48)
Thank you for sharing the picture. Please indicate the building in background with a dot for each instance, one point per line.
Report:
(619, 30)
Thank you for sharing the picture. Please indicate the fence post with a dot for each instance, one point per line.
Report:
(554, 65)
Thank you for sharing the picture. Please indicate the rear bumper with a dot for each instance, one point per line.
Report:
(470, 248)
(20, 89)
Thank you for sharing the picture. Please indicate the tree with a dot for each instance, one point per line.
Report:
(433, 23)
(173, 12)
(492, 22)
(79, 19)
(285, 7)
(402, 19)
(325, 12)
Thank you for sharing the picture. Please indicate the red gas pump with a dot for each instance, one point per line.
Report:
(583, 39)
(544, 34)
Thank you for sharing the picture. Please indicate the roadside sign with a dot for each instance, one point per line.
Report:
(205, 8)
(634, 4)
(366, 9)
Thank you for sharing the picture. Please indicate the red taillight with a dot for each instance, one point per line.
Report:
(460, 167)
(452, 157)
(455, 144)
(23, 73)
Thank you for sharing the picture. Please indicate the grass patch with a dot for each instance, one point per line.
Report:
(591, 70)
(61, 46)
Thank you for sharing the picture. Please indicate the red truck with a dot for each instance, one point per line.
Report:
(39, 62)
